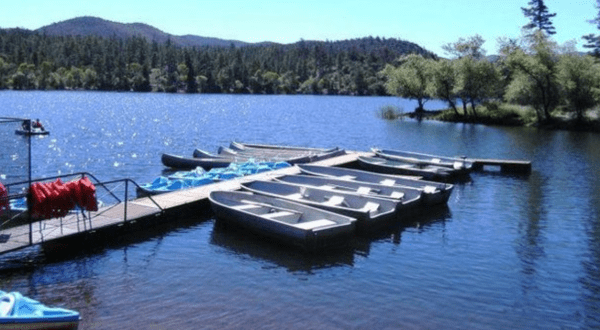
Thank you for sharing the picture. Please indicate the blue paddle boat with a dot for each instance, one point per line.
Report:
(19, 312)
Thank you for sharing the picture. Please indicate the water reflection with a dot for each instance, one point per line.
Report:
(243, 243)
(421, 221)
(529, 243)
(591, 262)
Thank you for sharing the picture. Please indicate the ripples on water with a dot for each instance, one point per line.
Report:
(507, 252)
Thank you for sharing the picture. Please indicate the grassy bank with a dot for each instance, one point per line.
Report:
(505, 114)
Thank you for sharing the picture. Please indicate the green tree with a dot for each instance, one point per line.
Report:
(579, 77)
(44, 74)
(191, 84)
(288, 83)
(137, 79)
(74, 78)
(535, 80)
(477, 81)
(270, 82)
(593, 40)
(410, 79)
(24, 78)
(472, 46)
(201, 81)
(3, 73)
(90, 79)
(444, 82)
(539, 17)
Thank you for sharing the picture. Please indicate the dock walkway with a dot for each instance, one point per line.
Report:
(506, 165)
(138, 210)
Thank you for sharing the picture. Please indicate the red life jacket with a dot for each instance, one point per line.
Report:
(4, 203)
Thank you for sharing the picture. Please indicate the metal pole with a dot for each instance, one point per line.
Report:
(126, 191)
(29, 180)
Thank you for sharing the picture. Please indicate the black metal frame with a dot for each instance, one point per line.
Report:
(97, 183)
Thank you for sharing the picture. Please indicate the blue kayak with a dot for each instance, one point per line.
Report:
(19, 312)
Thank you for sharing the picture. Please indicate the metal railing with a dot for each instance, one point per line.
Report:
(110, 189)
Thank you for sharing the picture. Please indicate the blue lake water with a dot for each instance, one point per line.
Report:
(509, 251)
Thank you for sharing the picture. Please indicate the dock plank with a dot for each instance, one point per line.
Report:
(73, 224)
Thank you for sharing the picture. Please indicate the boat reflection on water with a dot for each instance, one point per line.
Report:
(243, 243)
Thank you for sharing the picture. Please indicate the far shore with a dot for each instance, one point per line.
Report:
(506, 115)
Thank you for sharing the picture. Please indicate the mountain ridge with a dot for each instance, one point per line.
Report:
(96, 26)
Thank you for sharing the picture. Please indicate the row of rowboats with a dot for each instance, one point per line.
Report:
(324, 206)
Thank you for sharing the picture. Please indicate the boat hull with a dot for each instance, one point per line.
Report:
(32, 133)
(19, 312)
(292, 158)
(71, 325)
(460, 165)
(334, 234)
(243, 146)
(382, 165)
(178, 162)
(370, 212)
(433, 193)
(408, 199)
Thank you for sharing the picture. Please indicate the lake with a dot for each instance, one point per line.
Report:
(509, 251)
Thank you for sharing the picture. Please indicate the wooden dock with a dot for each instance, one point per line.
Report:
(140, 210)
(505, 165)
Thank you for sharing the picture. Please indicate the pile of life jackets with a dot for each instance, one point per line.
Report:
(56, 199)
(4, 203)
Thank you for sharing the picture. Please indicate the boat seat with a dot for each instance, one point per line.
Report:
(429, 189)
(285, 216)
(397, 194)
(370, 207)
(295, 196)
(314, 224)
(363, 190)
(327, 186)
(246, 206)
(388, 182)
(277, 214)
(7, 301)
(335, 201)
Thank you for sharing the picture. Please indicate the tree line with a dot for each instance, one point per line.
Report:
(532, 70)
(30, 61)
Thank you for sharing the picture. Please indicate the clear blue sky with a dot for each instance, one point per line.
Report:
(429, 23)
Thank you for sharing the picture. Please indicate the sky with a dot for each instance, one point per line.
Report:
(428, 23)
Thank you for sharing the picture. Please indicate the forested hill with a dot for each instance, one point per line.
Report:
(94, 26)
(94, 54)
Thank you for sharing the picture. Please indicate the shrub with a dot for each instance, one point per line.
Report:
(390, 112)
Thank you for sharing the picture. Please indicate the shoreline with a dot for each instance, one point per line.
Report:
(565, 123)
